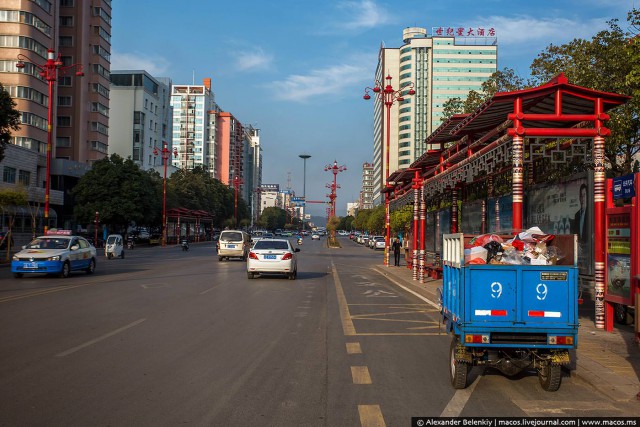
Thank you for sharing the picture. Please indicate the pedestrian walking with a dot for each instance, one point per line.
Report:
(396, 251)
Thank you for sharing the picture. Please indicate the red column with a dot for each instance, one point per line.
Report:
(454, 210)
(414, 252)
(423, 208)
(517, 161)
(599, 182)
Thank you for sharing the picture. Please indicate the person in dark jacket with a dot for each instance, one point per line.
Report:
(397, 246)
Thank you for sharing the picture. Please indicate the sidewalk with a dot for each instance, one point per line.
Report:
(609, 361)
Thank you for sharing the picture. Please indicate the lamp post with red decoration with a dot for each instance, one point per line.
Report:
(165, 152)
(335, 169)
(236, 186)
(49, 72)
(387, 95)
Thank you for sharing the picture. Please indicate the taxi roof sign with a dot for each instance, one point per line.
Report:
(56, 232)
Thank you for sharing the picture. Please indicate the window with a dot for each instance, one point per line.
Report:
(64, 101)
(64, 81)
(9, 175)
(66, 3)
(24, 178)
(66, 21)
(63, 141)
(65, 41)
(64, 121)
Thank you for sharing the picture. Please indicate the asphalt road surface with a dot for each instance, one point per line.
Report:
(166, 337)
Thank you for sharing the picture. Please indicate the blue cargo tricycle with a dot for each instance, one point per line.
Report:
(510, 317)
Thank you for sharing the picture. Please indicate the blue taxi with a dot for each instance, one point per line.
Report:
(58, 252)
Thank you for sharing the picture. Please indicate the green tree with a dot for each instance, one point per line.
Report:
(361, 219)
(272, 218)
(400, 219)
(121, 192)
(9, 201)
(605, 63)
(375, 222)
(9, 119)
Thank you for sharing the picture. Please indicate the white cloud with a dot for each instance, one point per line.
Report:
(330, 80)
(156, 66)
(362, 14)
(254, 60)
(526, 30)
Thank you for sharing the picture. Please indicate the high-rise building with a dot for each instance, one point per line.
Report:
(252, 171)
(193, 132)
(140, 104)
(230, 138)
(366, 195)
(444, 65)
(77, 36)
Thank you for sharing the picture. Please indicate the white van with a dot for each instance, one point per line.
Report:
(233, 244)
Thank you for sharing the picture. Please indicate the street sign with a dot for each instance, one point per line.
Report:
(297, 199)
(623, 187)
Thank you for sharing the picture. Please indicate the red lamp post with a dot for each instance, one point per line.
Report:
(335, 169)
(49, 72)
(96, 221)
(388, 96)
(165, 156)
(236, 186)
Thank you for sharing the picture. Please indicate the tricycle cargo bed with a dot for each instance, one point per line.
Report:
(524, 306)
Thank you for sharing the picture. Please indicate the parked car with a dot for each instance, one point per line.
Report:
(233, 244)
(273, 256)
(55, 254)
(379, 243)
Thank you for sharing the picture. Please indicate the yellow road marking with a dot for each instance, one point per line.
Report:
(42, 292)
(353, 348)
(345, 316)
(371, 416)
(360, 375)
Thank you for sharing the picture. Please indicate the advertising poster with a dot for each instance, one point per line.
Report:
(619, 275)
(472, 218)
(500, 214)
(564, 208)
(430, 232)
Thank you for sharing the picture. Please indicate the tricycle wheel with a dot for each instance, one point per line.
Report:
(550, 377)
(109, 255)
(458, 370)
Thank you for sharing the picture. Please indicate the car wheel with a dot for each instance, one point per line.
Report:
(458, 371)
(122, 254)
(550, 377)
(92, 266)
(250, 275)
(66, 269)
(109, 255)
(17, 275)
(219, 258)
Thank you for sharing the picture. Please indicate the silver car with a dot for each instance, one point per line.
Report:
(273, 256)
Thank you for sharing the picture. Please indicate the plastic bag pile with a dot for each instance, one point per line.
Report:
(531, 247)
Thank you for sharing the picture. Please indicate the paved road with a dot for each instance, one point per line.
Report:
(165, 337)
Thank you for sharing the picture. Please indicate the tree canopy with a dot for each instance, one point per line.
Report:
(9, 119)
(120, 192)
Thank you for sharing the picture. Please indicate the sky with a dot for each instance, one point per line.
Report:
(297, 69)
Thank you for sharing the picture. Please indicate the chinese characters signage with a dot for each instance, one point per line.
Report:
(623, 187)
(463, 31)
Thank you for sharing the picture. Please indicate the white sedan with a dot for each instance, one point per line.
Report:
(272, 256)
(315, 236)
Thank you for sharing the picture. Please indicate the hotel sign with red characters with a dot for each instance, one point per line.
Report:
(463, 31)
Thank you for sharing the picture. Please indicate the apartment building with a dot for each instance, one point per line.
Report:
(140, 105)
(68, 41)
(446, 64)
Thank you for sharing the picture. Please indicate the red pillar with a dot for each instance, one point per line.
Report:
(517, 161)
(599, 182)
(423, 208)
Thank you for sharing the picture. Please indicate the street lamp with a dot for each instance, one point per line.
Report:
(49, 72)
(388, 96)
(236, 186)
(165, 156)
(96, 221)
(335, 169)
(304, 157)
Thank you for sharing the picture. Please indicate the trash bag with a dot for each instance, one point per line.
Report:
(494, 250)
(483, 239)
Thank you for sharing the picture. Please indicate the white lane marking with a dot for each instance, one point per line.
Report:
(104, 337)
(428, 301)
(459, 400)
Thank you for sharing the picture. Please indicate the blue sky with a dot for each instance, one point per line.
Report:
(297, 69)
